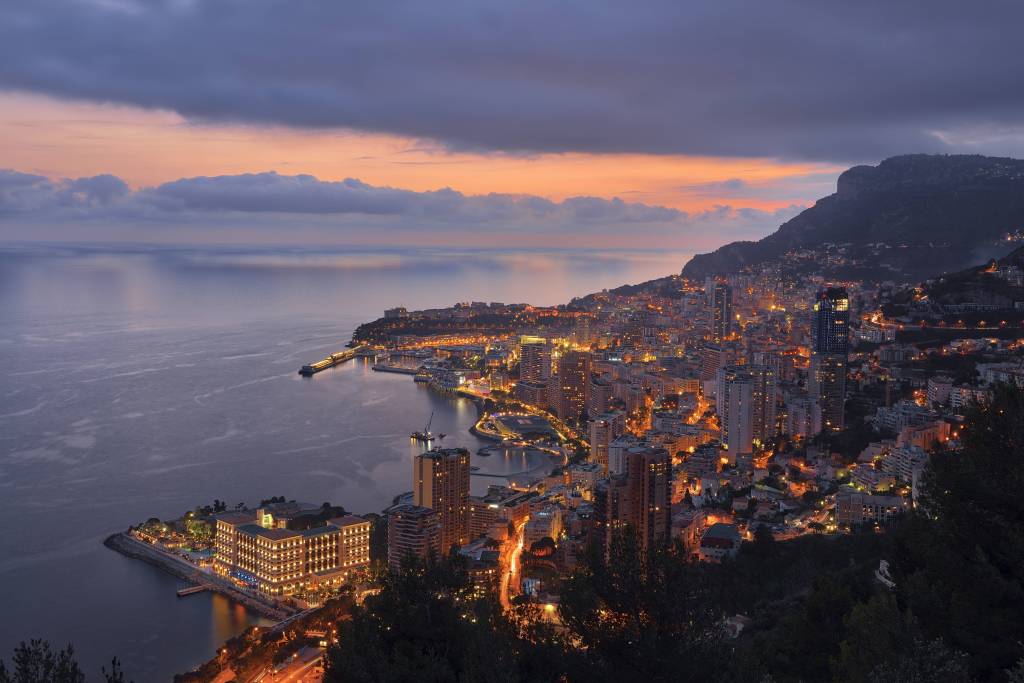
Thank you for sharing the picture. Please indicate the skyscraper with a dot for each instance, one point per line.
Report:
(441, 482)
(599, 397)
(600, 436)
(830, 344)
(641, 498)
(534, 359)
(827, 386)
(721, 311)
(734, 405)
(572, 385)
(747, 407)
(830, 327)
(712, 357)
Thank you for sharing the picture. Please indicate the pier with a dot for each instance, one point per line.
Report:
(399, 369)
(129, 546)
(192, 590)
(334, 359)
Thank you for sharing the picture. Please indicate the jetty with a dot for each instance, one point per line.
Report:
(330, 361)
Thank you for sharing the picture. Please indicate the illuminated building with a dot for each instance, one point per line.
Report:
(534, 360)
(831, 323)
(827, 386)
(830, 344)
(746, 407)
(735, 408)
(441, 482)
(721, 311)
(641, 498)
(803, 417)
(599, 396)
(532, 393)
(483, 516)
(571, 385)
(617, 449)
(600, 436)
(412, 530)
(284, 548)
(712, 358)
(718, 542)
(854, 509)
(582, 331)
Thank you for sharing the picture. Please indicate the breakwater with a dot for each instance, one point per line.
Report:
(131, 547)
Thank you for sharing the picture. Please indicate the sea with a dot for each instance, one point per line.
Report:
(140, 381)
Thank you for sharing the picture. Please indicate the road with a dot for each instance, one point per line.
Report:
(510, 561)
(300, 669)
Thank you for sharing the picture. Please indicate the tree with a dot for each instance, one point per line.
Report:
(427, 625)
(36, 662)
(876, 633)
(960, 566)
(764, 540)
(639, 615)
(925, 662)
(116, 674)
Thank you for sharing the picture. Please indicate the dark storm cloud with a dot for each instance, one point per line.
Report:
(833, 79)
(280, 202)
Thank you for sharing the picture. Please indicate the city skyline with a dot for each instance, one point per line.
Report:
(514, 341)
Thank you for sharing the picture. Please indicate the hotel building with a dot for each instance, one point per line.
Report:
(284, 548)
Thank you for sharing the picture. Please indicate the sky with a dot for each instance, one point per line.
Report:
(611, 124)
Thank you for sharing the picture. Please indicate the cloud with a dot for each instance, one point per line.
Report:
(831, 80)
(22, 193)
(717, 188)
(305, 194)
(274, 201)
(809, 185)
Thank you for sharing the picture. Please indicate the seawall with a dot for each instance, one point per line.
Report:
(131, 547)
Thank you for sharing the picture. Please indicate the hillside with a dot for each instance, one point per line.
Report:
(985, 295)
(928, 213)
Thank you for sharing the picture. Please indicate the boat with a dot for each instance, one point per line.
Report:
(425, 436)
(441, 435)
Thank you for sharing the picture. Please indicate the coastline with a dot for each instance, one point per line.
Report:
(132, 548)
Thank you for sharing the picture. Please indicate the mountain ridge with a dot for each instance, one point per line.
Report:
(949, 210)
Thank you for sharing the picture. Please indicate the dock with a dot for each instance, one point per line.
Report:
(334, 359)
(381, 367)
(192, 590)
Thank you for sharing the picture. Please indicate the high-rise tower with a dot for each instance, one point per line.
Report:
(721, 311)
(440, 481)
(830, 341)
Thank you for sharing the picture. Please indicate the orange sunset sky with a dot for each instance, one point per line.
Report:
(64, 139)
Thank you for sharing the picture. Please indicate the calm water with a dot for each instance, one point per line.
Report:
(141, 382)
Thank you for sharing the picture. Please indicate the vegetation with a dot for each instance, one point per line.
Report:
(37, 662)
